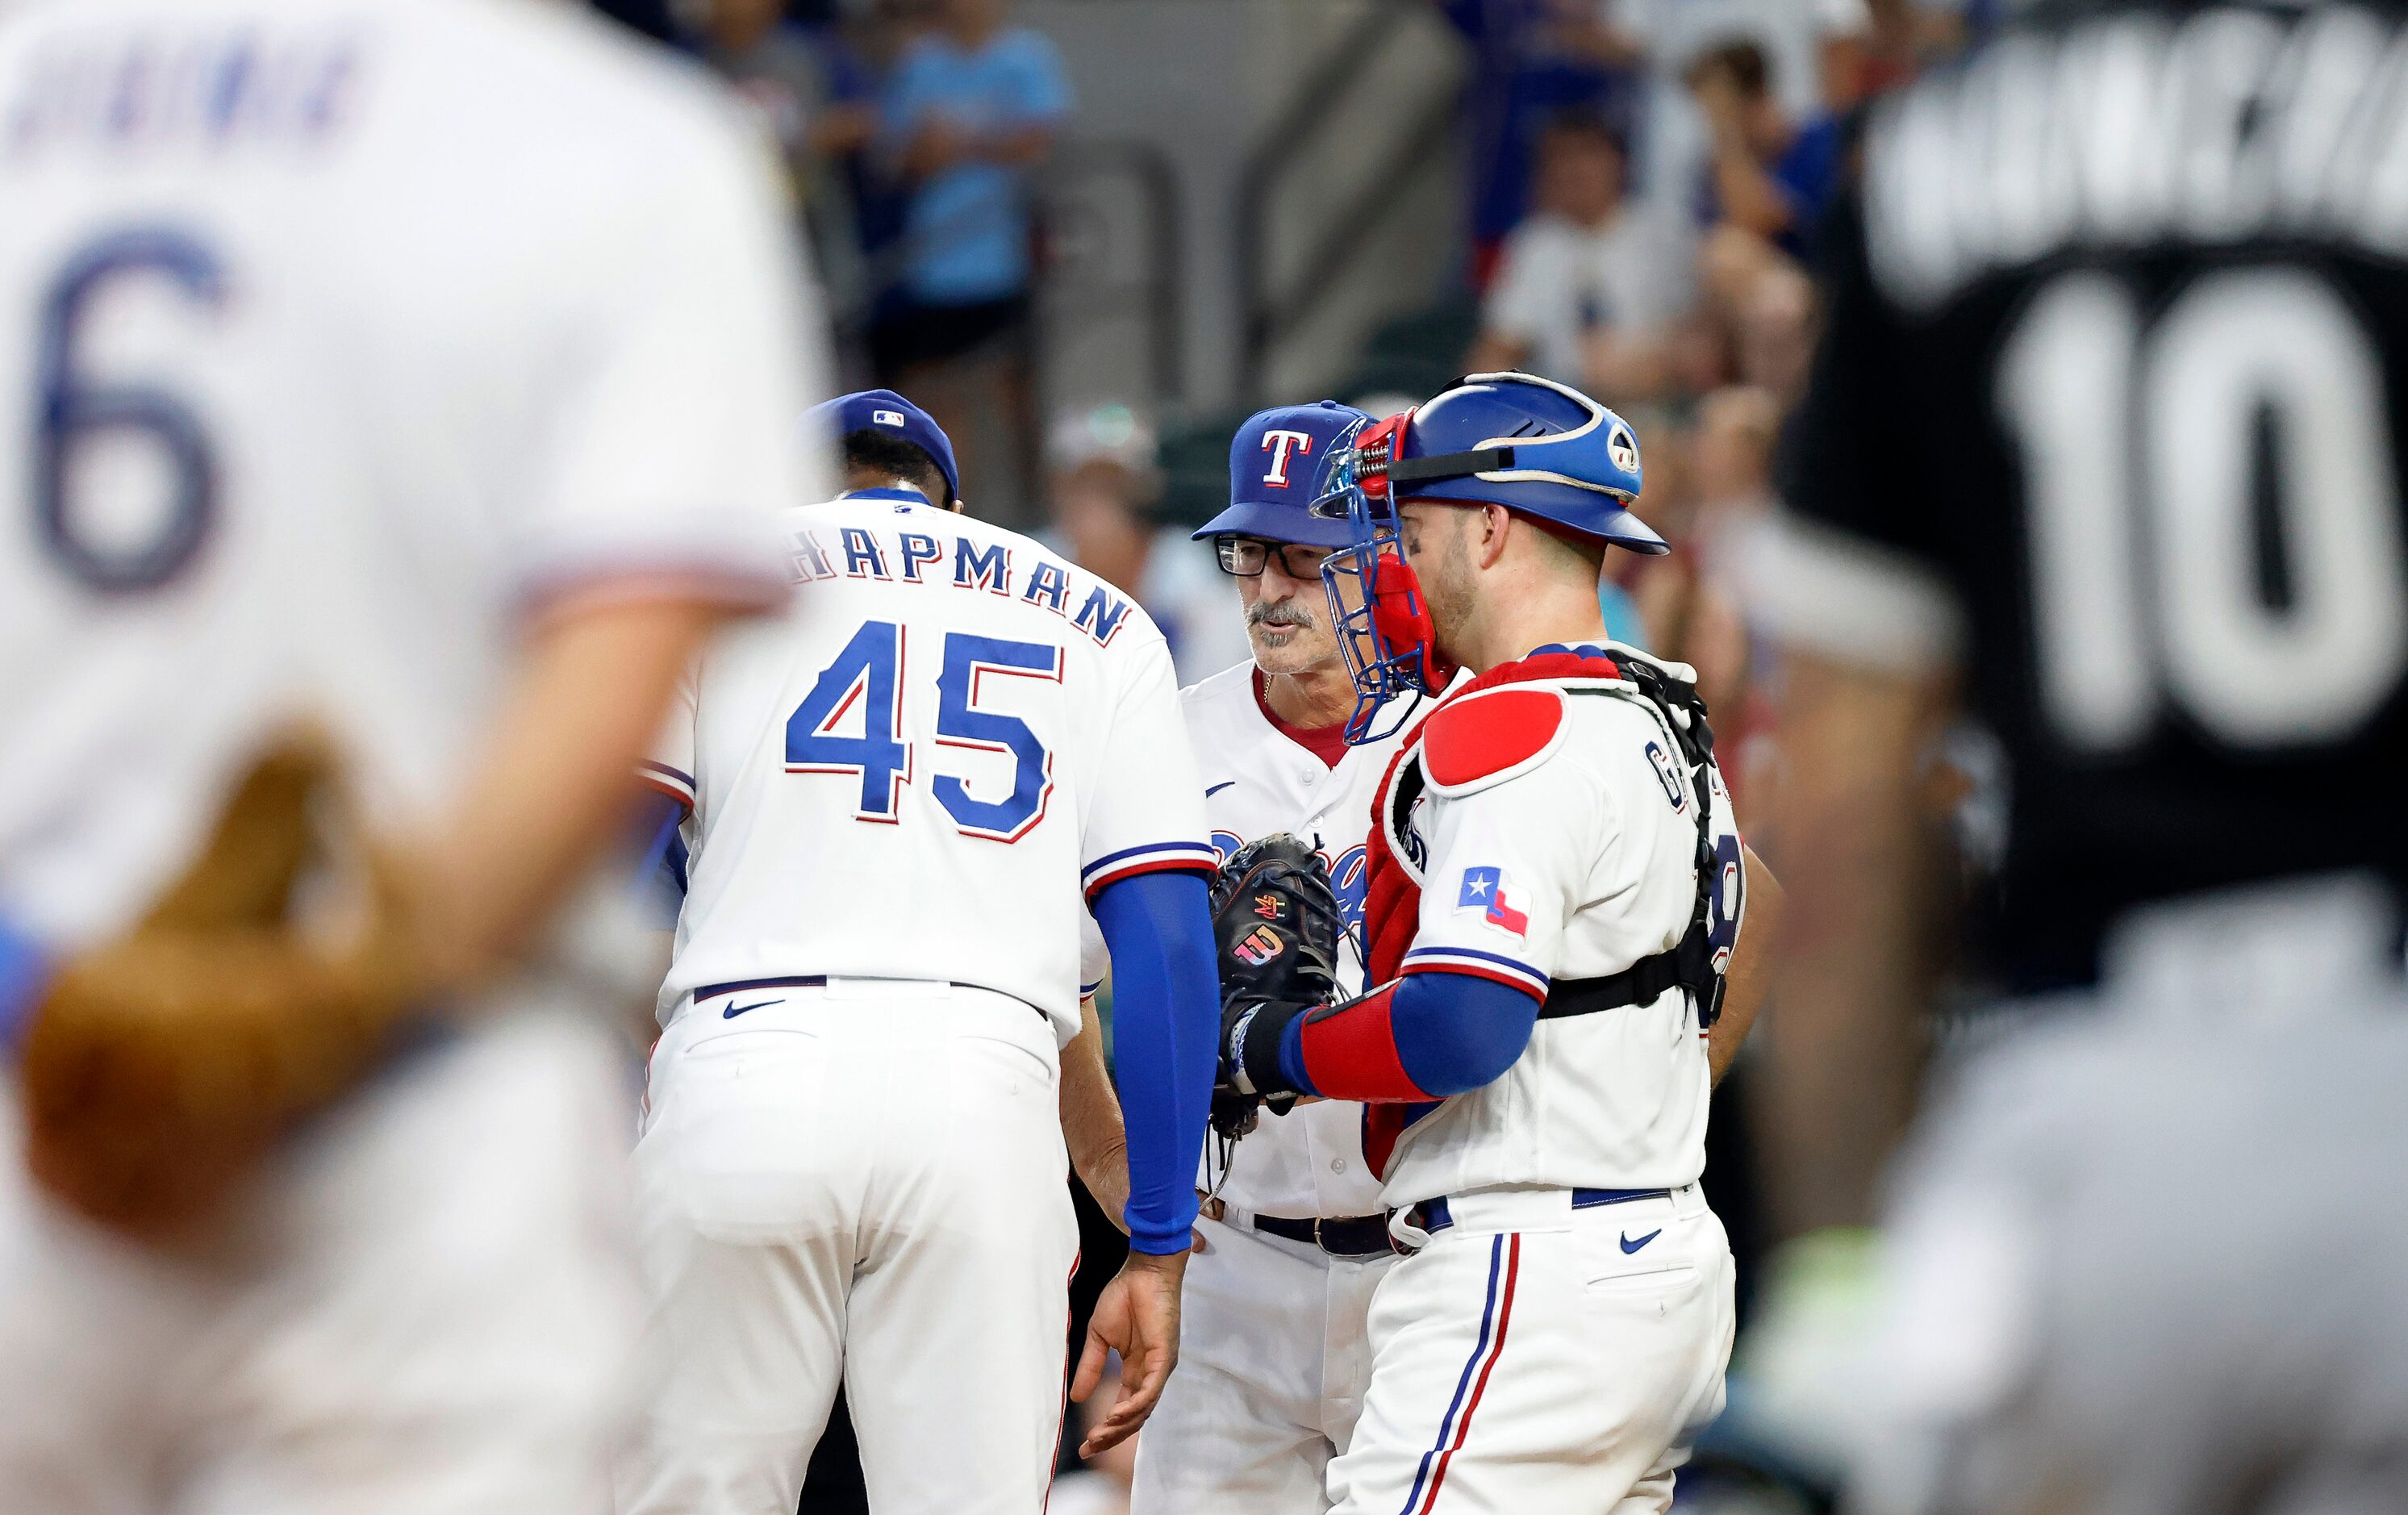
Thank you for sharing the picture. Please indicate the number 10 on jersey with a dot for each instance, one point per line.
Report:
(865, 681)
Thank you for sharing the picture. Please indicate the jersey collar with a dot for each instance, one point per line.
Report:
(910, 496)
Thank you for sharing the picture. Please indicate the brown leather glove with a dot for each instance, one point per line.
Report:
(160, 1066)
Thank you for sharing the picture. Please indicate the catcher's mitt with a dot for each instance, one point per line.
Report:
(1277, 926)
(160, 1066)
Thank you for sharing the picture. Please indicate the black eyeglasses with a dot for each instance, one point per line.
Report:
(1243, 557)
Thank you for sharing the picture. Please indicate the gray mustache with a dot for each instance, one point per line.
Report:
(1285, 613)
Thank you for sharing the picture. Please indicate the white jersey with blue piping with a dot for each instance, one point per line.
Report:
(1557, 840)
(338, 333)
(919, 772)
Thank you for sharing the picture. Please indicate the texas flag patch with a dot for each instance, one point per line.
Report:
(1484, 890)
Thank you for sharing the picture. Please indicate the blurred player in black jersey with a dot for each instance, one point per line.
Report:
(2103, 450)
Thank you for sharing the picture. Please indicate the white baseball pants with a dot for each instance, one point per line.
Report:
(1534, 1359)
(429, 1308)
(863, 1182)
(1273, 1362)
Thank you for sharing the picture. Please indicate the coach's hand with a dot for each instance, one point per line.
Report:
(1136, 1316)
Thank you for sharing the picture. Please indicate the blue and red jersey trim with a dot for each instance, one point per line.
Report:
(1479, 965)
(667, 780)
(1153, 857)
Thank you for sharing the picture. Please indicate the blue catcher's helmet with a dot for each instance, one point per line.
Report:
(1532, 445)
(1280, 463)
(1536, 446)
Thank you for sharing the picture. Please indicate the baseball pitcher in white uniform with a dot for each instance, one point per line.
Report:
(851, 1164)
(392, 393)
(1273, 1358)
(1555, 898)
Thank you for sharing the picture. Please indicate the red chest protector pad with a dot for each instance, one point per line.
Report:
(1393, 855)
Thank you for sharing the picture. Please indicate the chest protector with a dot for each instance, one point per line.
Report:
(1396, 858)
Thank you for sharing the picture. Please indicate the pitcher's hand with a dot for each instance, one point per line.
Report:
(1136, 1316)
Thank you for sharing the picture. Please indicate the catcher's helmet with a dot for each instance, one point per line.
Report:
(1536, 446)
(1526, 443)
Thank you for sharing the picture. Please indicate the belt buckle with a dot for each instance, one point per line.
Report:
(1316, 1235)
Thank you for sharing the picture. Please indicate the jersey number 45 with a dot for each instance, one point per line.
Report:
(865, 683)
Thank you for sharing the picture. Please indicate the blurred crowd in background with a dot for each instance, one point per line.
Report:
(1643, 185)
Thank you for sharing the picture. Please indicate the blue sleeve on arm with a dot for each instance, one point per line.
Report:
(1165, 1017)
(659, 877)
(25, 972)
(1452, 1032)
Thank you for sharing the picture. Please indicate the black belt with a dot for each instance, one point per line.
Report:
(819, 981)
(1355, 1235)
(1431, 1214)
(809, 980)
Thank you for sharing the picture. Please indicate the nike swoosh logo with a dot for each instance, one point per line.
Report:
(1630, 1246)
(1217, 788)
(734, 1010)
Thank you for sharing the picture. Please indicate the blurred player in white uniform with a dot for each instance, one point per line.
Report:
(425, 371)
(1273, 1358)
(851, 1164)
(1554, 896)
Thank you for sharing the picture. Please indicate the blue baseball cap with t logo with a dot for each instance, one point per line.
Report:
(1278, 464)
(883, 410)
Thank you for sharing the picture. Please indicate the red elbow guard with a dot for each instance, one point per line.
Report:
(1350, 1050)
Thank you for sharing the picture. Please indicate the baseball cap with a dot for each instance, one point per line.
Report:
(883, 410)
(1278, 464)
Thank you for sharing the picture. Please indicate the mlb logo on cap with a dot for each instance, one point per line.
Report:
(865, 408)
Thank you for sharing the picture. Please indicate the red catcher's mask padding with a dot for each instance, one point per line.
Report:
(1375, 446)
(1401, 612)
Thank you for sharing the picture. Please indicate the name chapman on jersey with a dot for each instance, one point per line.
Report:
(917, 557)
(2230, 126)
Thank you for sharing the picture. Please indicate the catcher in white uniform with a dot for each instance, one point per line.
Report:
(1554, 900)
(1274, 1360)
(396, 391)
(853, 1164)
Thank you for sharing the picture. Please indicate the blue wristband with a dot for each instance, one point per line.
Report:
(25, 968)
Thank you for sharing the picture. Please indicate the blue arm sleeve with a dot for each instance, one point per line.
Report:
(659, 876)
(1165, 1017)
(1451, 1031)
(23, 973)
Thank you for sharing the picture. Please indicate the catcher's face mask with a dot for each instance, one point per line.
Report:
(1383, 630)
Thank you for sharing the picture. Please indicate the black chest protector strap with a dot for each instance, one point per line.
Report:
(1690, 964)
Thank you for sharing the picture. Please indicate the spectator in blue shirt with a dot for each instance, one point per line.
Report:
(968, 111)
(967, 114)
(1769, 175)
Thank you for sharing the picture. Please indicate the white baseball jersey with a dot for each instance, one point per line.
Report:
(1259, 780)
(916, 772)
(1573, 856)
(332, 333)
